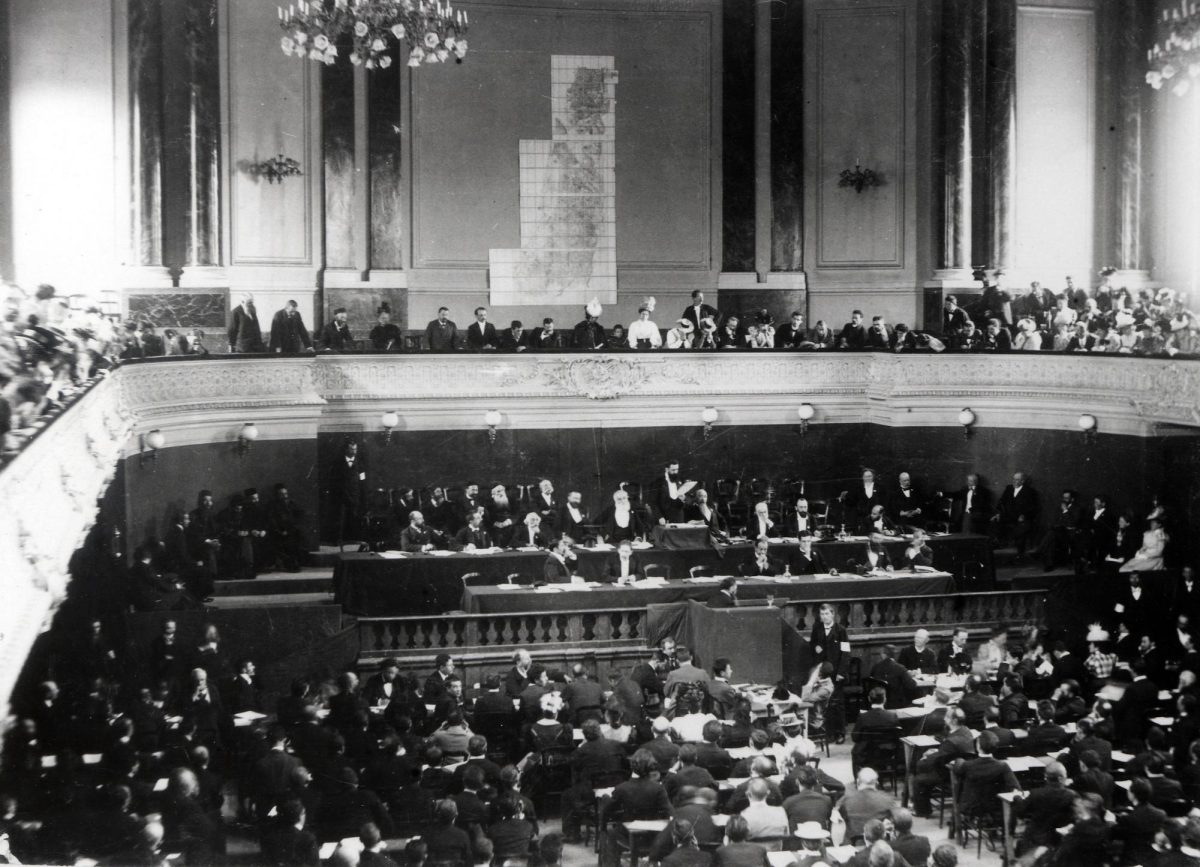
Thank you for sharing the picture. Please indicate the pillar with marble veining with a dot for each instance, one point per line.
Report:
(762, 140)
(1000, 117)
(145, 131)
(202, 146)
(958, 104)
(1126, 251)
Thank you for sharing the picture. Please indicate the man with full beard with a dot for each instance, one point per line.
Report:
(500, 517)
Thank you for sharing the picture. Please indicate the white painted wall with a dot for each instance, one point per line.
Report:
(1056, 146)
(63, 150)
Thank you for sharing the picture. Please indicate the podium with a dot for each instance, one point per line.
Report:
(751, 639)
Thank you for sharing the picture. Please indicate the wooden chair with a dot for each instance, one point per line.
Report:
(941, 520)
(882, 751)
(658, 570)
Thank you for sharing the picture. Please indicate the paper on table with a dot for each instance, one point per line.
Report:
(160, 785)
(250, 714)
(386, 555)
(441, 553)
(528, 548)
(547, 589)
(841, 854)
(641, 546)
(508, 586)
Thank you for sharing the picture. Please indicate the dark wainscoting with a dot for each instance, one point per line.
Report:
(829, 458)
(155, 491)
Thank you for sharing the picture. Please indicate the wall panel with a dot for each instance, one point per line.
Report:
(465, 190)
(1056, 149)
(269, 99)
(861, 81)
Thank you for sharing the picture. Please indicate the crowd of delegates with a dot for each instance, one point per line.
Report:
(48, 352)
(126, 764)
(1087, 534)
(245, 538)
(1074, 319)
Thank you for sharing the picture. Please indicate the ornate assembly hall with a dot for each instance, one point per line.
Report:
(547, 433)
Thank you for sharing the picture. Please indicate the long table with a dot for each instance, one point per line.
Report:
(372, 585)
(498, 600)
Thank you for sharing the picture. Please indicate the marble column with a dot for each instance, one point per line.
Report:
(762, 141)
(958, 104)
(146, 132)
(1126, 251)
(1000, 117)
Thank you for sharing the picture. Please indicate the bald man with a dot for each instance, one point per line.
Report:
(918, 656)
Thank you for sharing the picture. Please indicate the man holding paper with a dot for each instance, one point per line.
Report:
(671, 493)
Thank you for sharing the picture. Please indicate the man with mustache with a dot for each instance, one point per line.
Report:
(500, 517)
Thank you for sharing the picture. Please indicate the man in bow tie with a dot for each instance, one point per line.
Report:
(974, 503)
(802, 522)
(546, 505)
(572, 517)
(625, 566)
(473, 537)
(700, 510)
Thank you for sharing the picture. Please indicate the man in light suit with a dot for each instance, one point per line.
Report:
(481, 334)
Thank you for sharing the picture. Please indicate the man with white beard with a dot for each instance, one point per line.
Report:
(500, 517)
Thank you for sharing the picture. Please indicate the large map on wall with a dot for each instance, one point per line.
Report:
(568, 250)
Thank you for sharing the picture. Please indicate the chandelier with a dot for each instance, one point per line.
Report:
(1177, 50)
(433, 31)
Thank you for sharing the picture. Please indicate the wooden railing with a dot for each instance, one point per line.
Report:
(430, 635)
(865, 617)
(483, 643)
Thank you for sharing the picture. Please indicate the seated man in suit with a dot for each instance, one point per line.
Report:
(700, 510)
(877, 521)
(918, 553)
(808, 561)
(919, 656)
(726, 595)
(954, 658)
(572, 516)
(685, 673)
(900, 686)
(801, 522)
(560, 564)
(625, 567)
(762, 563)
(875, 557)
(1046, 736)
(874, 721)
(417, 537)
(472, 537)
(760, 523)
(983, 778)
(958, 744)
(530, 535)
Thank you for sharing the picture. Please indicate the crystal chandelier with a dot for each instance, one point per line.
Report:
(1176, 54)
(433, 31)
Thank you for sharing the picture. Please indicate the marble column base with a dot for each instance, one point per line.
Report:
(1133, 280)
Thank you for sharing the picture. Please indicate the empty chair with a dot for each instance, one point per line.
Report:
(658, 570)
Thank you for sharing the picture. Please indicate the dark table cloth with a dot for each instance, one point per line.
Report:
(369, 585)
(493, 600)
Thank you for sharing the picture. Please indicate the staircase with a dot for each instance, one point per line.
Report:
(312, 585)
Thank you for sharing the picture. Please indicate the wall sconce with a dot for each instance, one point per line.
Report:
(859, 178)
(248, 435)
(708, 415)
(805, 411)
(153, 440)
(492, 418)
(275, 169)
(966, 417)
(389, 420)
(1087, 424)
